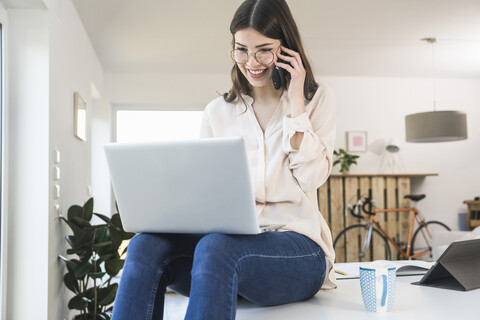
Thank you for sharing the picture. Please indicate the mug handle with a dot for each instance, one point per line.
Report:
(384, 292)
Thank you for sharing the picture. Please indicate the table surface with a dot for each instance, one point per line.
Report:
(345, 302)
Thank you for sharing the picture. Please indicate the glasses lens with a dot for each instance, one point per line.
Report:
(264, 56)
(239, 56)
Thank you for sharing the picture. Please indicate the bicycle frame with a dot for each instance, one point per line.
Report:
(415, 216)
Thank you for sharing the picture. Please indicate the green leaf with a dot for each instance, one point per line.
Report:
(102, 234)
(117, 238)
(81, 222)
(88, 210)
(71, 264)
(114, 266)
(71, 282)
(116, 221)
(78, 302)
(102, 316)
(74, 211)
(77, 251)
(97, 275)
(87, 237)
(106, 257)
(71, 240)
(104, 218)
(82, 269)
(106, 295)
(128, 235)
(344, 159)
(91, 308)
(90, 293)
(102, 244)
(76, 230)
(63, 258)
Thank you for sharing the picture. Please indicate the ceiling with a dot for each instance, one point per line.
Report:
(342, 37)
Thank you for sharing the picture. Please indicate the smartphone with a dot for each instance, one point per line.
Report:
(279, 75)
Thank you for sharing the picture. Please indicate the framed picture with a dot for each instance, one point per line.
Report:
(80, 117)
(356, 141)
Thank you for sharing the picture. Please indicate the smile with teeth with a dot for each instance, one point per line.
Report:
(256, 73)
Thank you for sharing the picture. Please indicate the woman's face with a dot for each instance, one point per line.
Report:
(251, 41)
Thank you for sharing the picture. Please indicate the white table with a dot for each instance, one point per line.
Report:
(345, 302)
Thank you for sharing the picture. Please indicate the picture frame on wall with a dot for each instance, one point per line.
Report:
(357, 141)
(80, 116)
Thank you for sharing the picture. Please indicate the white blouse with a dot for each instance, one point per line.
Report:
(285, 180)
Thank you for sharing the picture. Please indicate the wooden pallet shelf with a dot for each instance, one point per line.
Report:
(387, 190)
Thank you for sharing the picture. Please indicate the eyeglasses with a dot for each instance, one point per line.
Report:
(263, 56)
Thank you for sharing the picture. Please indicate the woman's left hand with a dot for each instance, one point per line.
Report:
(297, 73)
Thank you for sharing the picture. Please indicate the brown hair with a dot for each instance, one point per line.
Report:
(273, 19)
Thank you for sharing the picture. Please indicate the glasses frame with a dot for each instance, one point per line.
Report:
(232, 55)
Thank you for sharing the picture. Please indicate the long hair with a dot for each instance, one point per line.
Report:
(273, 19)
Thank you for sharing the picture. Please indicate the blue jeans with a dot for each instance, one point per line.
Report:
(268, 269)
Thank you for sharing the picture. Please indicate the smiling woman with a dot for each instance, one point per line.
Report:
(289, 132)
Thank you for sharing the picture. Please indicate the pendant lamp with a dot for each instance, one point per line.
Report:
(436, 126)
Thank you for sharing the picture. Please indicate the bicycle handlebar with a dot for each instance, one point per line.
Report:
(354, 210)
(366, 205)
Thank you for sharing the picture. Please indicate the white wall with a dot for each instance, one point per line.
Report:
(375, 105)
(73, 67)
(379, 106)
(165, 89)
(50, 57)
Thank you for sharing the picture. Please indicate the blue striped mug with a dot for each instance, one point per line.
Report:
(378, 287)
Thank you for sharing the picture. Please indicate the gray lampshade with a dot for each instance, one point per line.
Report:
(436, 126)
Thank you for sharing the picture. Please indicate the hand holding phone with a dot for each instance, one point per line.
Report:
(279, 75)
(294, 74)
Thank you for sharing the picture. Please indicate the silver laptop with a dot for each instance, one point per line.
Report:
(187, 186)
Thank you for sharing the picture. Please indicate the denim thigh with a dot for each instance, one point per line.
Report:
(154, 261)
(271, 268)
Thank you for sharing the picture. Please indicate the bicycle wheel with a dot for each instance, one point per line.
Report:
(349, 243)
(422, 239)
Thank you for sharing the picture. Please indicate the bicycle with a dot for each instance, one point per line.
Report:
(418, 244)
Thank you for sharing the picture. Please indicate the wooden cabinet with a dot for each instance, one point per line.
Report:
(387, 190)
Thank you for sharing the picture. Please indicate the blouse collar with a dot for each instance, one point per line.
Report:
(240, 106)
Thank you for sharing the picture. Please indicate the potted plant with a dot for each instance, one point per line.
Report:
(96, 260)
(345, 160)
